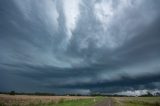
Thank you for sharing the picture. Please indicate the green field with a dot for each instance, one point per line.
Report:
(48, 101)
(85, 102)
(25, 100)
(137, 101)
(81, 102)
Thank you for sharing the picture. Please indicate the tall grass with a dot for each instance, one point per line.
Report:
(61, 102)
(138, 101)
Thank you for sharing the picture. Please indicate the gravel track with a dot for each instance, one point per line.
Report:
(106, 102)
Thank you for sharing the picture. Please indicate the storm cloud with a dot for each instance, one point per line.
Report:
(79, 46)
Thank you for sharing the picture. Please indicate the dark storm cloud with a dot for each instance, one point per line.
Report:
(125, 83)
(79, 46)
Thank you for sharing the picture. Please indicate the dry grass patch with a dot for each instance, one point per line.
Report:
(25, 100)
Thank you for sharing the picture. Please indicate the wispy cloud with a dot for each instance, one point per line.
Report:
(86, 46)
(138, 92)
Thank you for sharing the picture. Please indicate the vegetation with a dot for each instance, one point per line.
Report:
(34, 100)
(78, 102)
(12, 93)
(137, 101)
(24, 100)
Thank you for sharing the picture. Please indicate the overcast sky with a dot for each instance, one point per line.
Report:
(79, 46)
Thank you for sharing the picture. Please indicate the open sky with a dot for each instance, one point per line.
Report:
(79, 46)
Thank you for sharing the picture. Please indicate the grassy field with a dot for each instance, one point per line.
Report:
(24, 100)
(137, 101)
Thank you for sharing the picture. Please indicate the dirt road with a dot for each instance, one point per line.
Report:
(106, 102)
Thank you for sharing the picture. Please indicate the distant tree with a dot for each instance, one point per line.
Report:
(157, 94)
(12, 93)
(149, 94)
(96, 94)
(44, 94)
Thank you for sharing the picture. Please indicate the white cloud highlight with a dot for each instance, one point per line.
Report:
(138, 92)
(71, 12)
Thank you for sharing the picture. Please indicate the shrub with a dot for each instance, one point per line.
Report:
(12, 93)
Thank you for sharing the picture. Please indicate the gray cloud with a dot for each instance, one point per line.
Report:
(85, 46)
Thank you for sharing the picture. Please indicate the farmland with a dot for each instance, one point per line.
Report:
(137, 101)
(24, 100)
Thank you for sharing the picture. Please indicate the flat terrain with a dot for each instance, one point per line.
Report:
(106, 102)
(130, 101)
(24, 100)
(137, 101)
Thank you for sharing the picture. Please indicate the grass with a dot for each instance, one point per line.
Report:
(80, 102)
(61, 102)
(6, 100)
(137, 101)
(2, 104)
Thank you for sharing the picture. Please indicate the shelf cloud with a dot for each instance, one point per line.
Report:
(79, 46)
